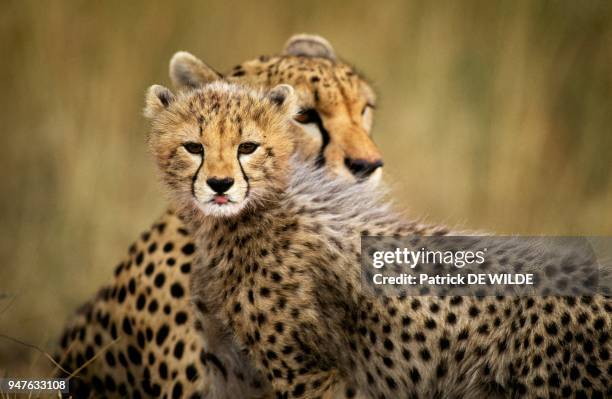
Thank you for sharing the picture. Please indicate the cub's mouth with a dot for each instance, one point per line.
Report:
(221, 205)
(221, 199)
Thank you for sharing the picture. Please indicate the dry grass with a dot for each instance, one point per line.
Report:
(492, 115)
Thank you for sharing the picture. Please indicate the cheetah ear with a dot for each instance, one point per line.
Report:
(284, 97)
(158, 98)
(309, 46)
(187, 71)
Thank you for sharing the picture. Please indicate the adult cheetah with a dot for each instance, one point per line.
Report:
(141, 323)
(279, 272)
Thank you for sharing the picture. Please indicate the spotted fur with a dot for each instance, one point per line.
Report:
(143, 314)
(279, 275)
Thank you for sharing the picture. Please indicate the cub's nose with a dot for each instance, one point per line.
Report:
(361, 167)
(220, 185)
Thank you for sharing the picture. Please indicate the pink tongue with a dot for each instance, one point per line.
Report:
(220, 199)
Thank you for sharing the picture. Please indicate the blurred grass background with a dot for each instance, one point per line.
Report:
(494, 115)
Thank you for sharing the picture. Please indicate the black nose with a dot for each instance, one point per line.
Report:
(361, 167)
(220, 185)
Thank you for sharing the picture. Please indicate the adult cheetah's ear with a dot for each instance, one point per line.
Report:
(284, 97)
(158, 98)
(188, 71)
(309, 46)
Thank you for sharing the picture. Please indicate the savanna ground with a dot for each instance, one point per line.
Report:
(494, 115)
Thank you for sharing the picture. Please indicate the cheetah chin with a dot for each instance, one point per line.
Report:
(227, 209)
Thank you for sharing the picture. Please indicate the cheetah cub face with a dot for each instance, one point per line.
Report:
(222, 148)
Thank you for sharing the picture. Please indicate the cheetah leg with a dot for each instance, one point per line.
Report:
(232, 375)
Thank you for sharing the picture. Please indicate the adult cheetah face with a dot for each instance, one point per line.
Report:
(335, 103)
(335, 116)
(222, 147)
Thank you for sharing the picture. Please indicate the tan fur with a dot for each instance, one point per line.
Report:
(280, 277)
(342, 99)
(136, 292)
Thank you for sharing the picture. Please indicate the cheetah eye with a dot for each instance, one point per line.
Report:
(247, 148)
(366, 116)
(306, 116)
(366, 107)
(194, 148)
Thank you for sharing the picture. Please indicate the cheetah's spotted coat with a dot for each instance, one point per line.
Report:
(279, 274)
(146, 305)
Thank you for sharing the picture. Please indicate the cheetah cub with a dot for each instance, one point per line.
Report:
(280, 273)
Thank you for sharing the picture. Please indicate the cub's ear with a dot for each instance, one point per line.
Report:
(158, 98)
(187, 71)
(284, 97)
(309, 46)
